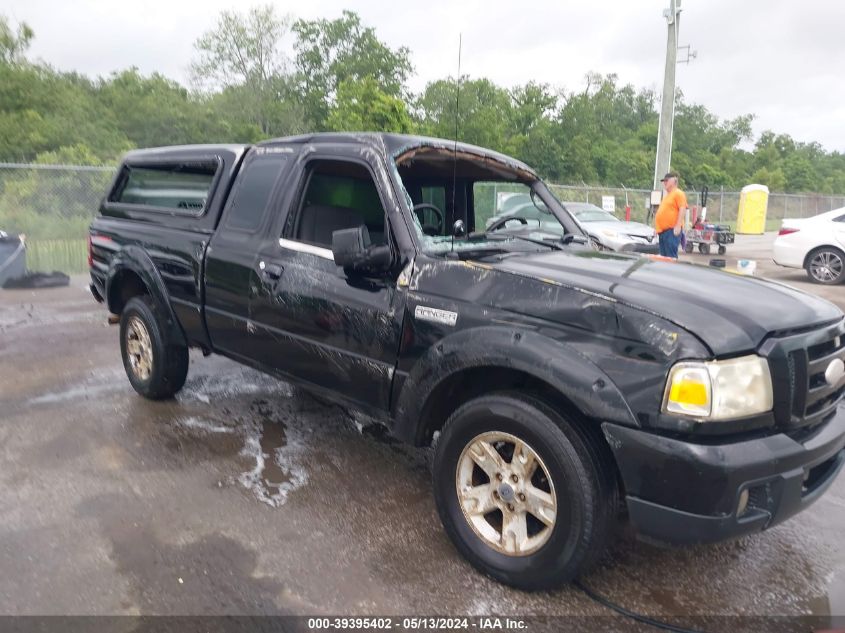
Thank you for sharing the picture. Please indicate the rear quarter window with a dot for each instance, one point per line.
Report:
(253, 190)
(173, 186)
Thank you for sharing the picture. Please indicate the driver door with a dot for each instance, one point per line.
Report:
(317, 325)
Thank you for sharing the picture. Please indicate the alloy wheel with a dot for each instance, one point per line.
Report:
(139, 348)
(826, 266)
(506, 494)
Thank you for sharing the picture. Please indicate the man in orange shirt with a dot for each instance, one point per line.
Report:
(669, 221)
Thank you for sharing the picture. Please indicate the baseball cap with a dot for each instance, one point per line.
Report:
(669, 175)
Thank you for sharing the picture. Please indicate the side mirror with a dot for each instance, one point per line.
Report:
(353, 251)
(459, 229)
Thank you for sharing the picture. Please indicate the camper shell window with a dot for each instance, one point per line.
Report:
(179, 187)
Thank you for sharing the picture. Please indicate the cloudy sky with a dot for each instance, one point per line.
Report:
(777, 59)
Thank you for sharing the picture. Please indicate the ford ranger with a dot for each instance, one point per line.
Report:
(560, 385)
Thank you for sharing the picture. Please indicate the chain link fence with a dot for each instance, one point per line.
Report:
(722, 206)
(54, 204)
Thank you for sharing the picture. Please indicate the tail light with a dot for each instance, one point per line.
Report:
(786, 230)
(90, 252)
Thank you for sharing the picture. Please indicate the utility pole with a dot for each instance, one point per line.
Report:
(667, 109)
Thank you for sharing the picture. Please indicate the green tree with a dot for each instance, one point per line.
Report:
(799, 173)
(42, 110)
(241, 56)
(243, 48)
(482, 115)
(330, 52)
(14, 42)
(362, 105)
(772, 178)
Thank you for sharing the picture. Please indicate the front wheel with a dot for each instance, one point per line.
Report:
(826, 265)
(155, 368)
(525, 496)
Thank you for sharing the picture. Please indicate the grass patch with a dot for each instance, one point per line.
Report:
(67, 256)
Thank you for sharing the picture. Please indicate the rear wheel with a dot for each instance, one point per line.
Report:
(722, 249)
(156, 369)
(525, 496)
(688, 247)
(826, 265)
(704, 249)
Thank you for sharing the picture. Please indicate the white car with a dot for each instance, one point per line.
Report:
(815, 244)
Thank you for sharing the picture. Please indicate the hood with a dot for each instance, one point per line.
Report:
(730, 313)
(625, 228)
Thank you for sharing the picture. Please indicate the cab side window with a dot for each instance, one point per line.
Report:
(338, 195)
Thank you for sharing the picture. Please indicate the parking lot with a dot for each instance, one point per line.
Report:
(248, 496)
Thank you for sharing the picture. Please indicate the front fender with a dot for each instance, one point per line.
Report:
(554, 362)
(136, 260)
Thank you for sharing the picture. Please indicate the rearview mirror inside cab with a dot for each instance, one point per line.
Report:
(353, 251)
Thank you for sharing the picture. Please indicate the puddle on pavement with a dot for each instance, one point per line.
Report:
(272, 476)
(261, 436)
(276, 451)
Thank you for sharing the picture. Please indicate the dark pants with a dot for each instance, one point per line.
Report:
(669, 243)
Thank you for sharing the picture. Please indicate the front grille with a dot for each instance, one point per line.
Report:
(803, 396)
(822, 397)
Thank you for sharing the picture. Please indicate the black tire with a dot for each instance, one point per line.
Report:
(579, 466)
(169, 363)
(722, 250)
(704, 249)
(815, 268)
(689, 247)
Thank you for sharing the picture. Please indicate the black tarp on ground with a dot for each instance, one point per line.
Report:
(31, 279)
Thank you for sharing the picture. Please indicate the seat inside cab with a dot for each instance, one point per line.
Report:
(339, 195)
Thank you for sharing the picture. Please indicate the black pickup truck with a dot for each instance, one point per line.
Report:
(559, 384)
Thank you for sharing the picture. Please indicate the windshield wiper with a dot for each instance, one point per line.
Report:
(551, 244)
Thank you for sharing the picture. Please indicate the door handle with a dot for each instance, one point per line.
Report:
(270, 271)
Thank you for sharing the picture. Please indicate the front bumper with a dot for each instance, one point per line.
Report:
(651, 248)
(681, 492)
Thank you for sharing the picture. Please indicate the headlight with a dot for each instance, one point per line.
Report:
(719, 390)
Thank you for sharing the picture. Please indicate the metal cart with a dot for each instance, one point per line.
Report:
(707, 235)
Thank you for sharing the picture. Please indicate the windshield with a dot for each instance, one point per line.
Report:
(505, 216)
(477, 204)
(595, 215)
(502, 217)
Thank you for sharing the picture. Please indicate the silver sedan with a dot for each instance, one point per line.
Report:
(607, 232)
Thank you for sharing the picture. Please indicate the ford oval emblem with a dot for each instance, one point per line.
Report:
(834, 372)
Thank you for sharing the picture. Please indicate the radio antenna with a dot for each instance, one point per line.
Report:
(457, 119)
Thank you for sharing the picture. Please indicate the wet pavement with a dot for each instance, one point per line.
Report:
(248, 496)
